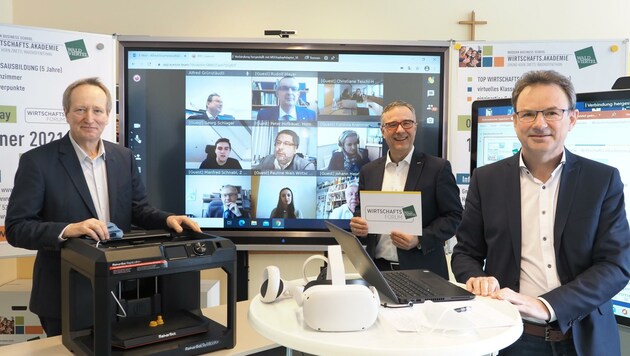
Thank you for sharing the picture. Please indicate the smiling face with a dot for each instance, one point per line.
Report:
(87, 115)
(215, 106)
(542, 139)
(399, 140)
(286, 197)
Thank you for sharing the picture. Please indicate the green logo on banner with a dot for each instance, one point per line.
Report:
(76, 50)
(409, 212)
(8, 114)
(585, 57)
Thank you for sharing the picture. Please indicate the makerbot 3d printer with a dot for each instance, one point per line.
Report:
(140, 295)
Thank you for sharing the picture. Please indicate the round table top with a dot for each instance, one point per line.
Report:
(282, 323)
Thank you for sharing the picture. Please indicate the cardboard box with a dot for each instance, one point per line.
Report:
(17, 323)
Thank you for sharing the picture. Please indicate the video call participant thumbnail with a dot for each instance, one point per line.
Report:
(219, 159)
(288, 109)
(346, 210)
(285, 209)
(349, 157)
(285, 154)
(214, 106)
(227, 207)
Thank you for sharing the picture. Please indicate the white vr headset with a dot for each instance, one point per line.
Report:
(330, 304)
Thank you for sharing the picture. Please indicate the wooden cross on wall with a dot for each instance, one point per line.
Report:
(472, 23)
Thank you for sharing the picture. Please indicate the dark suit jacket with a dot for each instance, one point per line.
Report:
(591, 240)
(272, 113)
(50, 192)
(215, 210)
(441, 208)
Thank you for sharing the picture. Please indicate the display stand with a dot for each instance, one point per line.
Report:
(140, 295)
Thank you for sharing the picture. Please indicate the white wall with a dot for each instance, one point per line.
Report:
(333, 19)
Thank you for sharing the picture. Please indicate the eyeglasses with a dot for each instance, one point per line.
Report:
(284, 143)
(287, 88)
(392, 126)
(225, 195)
(548, 115)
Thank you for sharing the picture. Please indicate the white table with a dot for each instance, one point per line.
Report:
(281, 322)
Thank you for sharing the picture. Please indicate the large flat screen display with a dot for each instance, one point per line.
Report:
(262, 142)
(601, 134)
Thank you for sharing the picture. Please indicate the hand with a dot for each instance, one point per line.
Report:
(483, 286)
(178, 222)
(234, 209)
(358, 226)
(404, 241)
(92, 228)
(526, 305)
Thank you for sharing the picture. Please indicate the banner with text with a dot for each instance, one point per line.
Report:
(485, 70)
(36, 66)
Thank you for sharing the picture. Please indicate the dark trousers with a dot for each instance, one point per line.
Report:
(52, 326)
(528, 345)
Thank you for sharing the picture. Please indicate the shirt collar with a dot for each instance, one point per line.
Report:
(406, 159)
(563, 160)
(81, 153)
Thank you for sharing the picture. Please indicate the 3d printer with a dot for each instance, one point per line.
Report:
(140, 295)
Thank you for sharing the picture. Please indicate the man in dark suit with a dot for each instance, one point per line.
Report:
(547, 230)
(288, 95)
(407, 169)
(227, 208)
(214, 106)
(70, 188)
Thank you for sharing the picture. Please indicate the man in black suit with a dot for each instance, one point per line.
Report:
(406, 169)
(214, 106)
(70, 188)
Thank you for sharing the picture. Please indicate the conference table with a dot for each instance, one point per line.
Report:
(248, 341)
(282, 322)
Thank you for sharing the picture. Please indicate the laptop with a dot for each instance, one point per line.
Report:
(402, 287)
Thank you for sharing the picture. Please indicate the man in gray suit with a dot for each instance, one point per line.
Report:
(70, 188)
(405, 168)
(547, 230)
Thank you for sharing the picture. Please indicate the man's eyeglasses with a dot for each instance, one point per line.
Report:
(225, 195)
(284, 143)
(287, 88)
(548, 115)
(393, 125)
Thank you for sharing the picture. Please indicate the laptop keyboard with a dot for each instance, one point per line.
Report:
(408, 288)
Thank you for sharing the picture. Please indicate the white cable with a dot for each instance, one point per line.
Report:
(124, 315)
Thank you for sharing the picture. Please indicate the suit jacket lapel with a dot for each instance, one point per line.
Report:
(69, 160)
(112, 180)
(376, 175)
(415, 169)
(566, 192)
(513, 204)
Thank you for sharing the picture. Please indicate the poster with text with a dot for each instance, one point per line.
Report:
(36, 65)
(483, 70)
